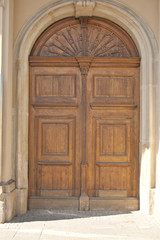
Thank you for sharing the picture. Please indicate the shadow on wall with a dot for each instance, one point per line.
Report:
(51, 215)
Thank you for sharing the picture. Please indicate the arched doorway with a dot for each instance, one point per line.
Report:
(84, 116)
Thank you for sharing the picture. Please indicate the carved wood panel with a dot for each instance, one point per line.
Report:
(55, 140)
(113, 86)
(85, 37)
(112, 140)
(53, 86)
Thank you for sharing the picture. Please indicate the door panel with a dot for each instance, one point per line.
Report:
(56, 140)
(112, 131)
(114, 85)
(55, 85)
(55, 131)
(112, 140)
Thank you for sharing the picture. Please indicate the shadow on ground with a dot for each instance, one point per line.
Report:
(51, 215)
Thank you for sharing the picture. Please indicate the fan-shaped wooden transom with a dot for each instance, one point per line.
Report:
(90, 37)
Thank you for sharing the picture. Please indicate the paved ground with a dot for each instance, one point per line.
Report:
(71, 225)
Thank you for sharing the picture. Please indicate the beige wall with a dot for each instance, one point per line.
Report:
(147, 9)
(23, 10)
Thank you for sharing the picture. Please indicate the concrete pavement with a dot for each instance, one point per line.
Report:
(71, 225)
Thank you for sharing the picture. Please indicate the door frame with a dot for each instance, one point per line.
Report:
(146, 44)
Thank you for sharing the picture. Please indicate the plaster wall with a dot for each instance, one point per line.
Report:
(147, 9)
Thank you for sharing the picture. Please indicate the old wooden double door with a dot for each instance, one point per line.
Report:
(84, 111)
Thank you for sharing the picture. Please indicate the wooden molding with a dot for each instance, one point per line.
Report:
(54, 163)
(109, 164)
(84, 62)
(50, 105)
(100, 106)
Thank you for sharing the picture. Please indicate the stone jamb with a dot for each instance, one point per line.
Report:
(1, 47)
(146, 44)
(2, 199)
(157, 192)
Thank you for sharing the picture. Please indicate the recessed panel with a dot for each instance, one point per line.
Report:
(114, 178)
(55, 138)
(113, 86)
(55, 177)
(55, 86)
(113, 139)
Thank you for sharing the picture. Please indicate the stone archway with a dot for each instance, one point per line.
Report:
(84, 116)
(146, 45)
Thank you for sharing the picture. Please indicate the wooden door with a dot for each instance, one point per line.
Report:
(113, 131)
(55, 122)
(84, 111)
